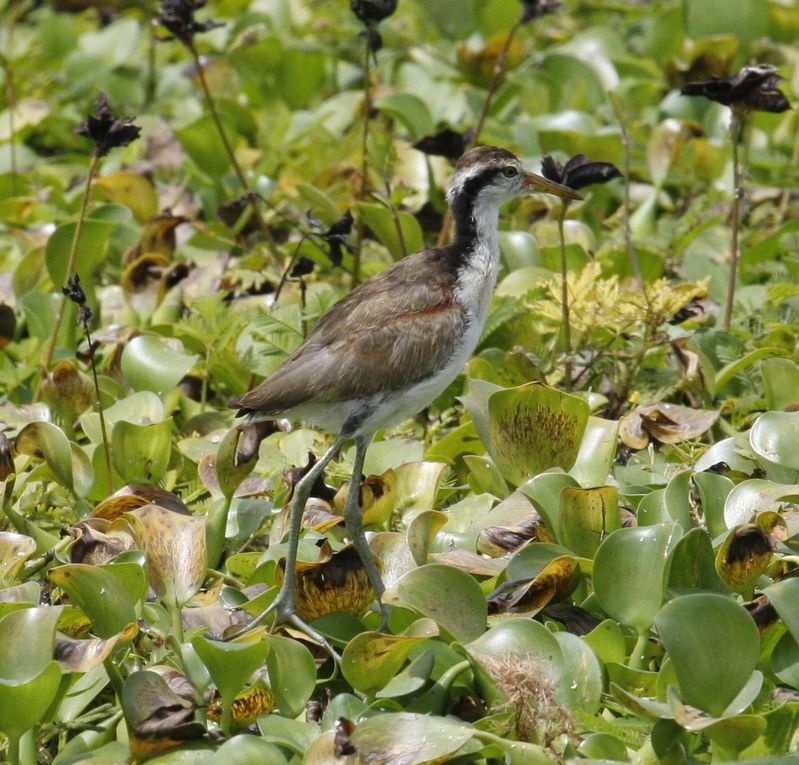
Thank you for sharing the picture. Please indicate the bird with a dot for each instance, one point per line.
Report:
(392, 345)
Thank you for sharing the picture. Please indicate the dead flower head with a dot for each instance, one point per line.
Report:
(106, 130)
(178, 17)
(533, 9)
(579, 171)
(754, 87)
(370, 12)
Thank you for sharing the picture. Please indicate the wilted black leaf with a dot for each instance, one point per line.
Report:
(372, 11)
(753, 87)
(178, 17)
(108, 131)
(302, 267)
(336, 238)
(343, 729)
(579, 171)
(447, 143)
(8, 324)
(75, 293)
(532, 9)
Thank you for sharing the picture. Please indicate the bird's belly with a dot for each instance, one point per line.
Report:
(394, 407)
(391, 407)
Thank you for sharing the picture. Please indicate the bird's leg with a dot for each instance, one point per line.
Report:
(354, 523)
(285, 604)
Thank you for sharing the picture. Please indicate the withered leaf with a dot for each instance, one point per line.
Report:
(106, 130)
(667, 423)
(8, 324)
(178, 17)
(753, 87)
(533, 9)
(447, 143)
(342, 730)
(579, 171)
(336, 583)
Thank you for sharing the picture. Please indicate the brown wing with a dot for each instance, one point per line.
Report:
(394, 330)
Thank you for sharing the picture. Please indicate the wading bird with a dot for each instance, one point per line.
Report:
(393, 344)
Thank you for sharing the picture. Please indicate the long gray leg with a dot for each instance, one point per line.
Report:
(354, 523)
(285, 605)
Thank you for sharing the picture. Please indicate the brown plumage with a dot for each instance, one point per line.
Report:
(378, 338)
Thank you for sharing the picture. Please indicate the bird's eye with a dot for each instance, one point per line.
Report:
(509, 172)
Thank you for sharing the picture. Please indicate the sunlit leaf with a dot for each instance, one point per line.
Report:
(711, 671)
(534, 428)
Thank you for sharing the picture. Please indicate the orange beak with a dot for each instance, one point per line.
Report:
(535, 182)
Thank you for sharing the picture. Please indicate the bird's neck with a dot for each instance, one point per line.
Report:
(476, 233)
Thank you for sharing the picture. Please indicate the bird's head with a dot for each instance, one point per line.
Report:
(497, 175)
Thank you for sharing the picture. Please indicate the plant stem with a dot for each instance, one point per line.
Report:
(628, 238)
(397, 222)
(11, 99)
(737, 193)
(100, 410)
(12, 748)
(251, 196)
(638, 656)
(564, 297)
(71, 258)
(360, 227)
(499, 68)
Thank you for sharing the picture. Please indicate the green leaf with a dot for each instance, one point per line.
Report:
(91, 250)
(587, 516)
(230, 666)
(242, 750)
(292, 673)
(382, 222)
(448, 596)
(781, 381)
(410, 110)
(140, 453)
(535, 428)
(371, 659)
(629, 572)
(784, 596)
(597, 452)
(24, 704)
(99, 594)
(714, 646)
(27, 637)
(152, 362)
(416, 739)
(774, 437)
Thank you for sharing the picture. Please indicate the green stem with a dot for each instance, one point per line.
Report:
(364, 188)
(564, 297)
(12, 749)
(499, 68)
(71, 258)
(101, 413)
(737, 193)
(227, 718)
(220, 128)
(628, 238)
(114, 677)
(397, 222)
(638, 656)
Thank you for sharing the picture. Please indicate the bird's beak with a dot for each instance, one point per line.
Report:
(533, 182)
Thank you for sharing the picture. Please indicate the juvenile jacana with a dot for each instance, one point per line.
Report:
(394, 343)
